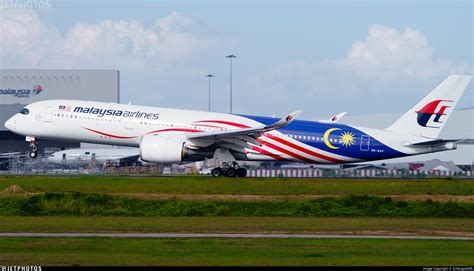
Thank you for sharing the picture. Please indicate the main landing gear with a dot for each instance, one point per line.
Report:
(34, 147)
(229, 170)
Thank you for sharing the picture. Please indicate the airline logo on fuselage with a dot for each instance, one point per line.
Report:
(424, 114)
(101, 112)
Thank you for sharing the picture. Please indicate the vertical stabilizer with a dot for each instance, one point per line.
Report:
(428, 117)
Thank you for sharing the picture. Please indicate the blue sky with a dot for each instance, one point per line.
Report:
(314, 29)
(319, 56)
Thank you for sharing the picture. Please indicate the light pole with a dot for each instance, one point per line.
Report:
(230, 58)
(209, 91)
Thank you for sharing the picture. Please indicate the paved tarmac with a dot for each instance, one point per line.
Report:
(230, 235)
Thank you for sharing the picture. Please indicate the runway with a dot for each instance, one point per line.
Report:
(231, 235)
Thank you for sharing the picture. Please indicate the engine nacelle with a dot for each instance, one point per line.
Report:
(163, 148)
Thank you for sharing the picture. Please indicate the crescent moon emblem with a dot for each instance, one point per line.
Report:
(326, 138)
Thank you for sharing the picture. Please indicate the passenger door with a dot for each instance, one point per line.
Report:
(364, 142)
(48, 115)
(130, 124)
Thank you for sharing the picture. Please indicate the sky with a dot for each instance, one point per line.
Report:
(322, 57)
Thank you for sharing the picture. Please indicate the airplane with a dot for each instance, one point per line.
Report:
(165, 135)
(84, 156)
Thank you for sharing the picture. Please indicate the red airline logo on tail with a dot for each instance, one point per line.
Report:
(424, 114)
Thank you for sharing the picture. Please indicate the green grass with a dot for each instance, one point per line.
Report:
(80, 204)
(125, 251)
(333, 225)
(93, 207)
(250, 186)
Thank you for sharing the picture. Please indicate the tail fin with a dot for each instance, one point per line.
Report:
(428, 117)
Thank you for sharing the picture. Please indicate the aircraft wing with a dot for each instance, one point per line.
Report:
(463, 141)
(9, 153)
(253, 131)
(335, 118)
(466, 141)
(129, 159)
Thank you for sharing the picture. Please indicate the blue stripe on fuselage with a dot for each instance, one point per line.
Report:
(312, 133)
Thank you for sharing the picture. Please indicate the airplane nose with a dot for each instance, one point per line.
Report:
(9, 124)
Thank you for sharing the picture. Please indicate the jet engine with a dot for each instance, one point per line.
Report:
(163, 148)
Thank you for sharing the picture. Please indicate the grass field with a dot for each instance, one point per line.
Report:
(221, 205)
(125, 251)
(295, 225)
(229, 186)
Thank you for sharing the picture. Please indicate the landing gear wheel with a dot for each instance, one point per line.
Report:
(230, 172)
(241, 172)
(34, 148)
(216, 172)
(33, 154)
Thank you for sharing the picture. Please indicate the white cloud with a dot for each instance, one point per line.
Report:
(385, 61)
(25, 38)
(126, 44)
(163, 62)
(111, 38)
(176, 40)
(388, 54)
(174, 22)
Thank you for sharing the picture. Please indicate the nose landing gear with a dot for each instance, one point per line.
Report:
(34, 147)
(229, 170)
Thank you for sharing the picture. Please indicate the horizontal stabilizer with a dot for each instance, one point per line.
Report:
(437, 142)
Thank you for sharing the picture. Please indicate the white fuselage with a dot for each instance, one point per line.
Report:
(125, 125)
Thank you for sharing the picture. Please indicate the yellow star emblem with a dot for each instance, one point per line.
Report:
(347, 139)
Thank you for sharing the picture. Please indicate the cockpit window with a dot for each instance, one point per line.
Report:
(25, 111)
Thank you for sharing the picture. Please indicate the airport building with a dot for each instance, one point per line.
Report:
(20, 87)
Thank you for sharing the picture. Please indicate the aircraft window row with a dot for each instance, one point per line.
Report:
(314, 138)
(85, 118)
(63, 115)
(176, 125)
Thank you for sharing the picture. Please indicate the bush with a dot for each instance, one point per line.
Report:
(80, 204)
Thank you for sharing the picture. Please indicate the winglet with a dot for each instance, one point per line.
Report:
(284, 121)
(335, 118)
